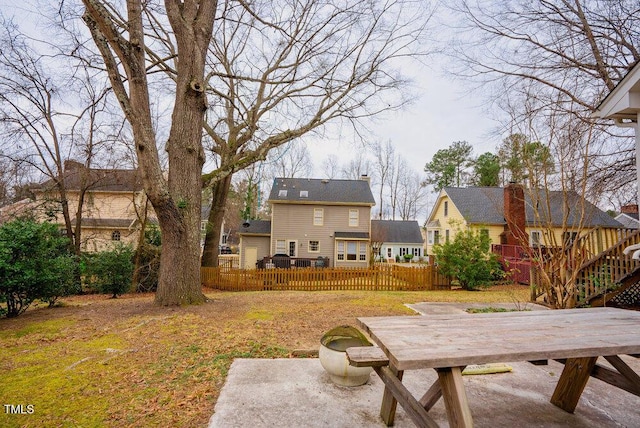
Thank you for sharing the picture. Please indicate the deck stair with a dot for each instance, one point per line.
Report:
(625, 293)
(609, 273)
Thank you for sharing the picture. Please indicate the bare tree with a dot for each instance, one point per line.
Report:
(281, 70)
(50, 117)
(176, 197)
(331, 166)
(384, 158)
(412, 198)
(549, 57)
(356, 168)
(288, 161)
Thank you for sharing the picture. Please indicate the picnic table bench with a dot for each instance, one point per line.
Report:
(448, 343)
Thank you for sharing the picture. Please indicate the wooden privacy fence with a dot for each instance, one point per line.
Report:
(384, 277)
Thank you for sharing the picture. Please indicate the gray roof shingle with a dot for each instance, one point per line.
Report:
(398, 232)
(77, 177)
(485, 205)
(256, 227)
(311, 190)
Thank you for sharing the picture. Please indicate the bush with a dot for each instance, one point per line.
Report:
(408, 258)
(111, 271)
(35, 263)
(467, 258)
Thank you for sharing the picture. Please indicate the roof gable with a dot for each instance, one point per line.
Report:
(623, 102)
(485, 205)
(310, 190)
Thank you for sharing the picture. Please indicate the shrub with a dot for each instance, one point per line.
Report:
(408, 257)
(35, 263)
(467, 258)
(111, 271)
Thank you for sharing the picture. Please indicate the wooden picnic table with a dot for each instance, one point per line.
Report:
(448, 343)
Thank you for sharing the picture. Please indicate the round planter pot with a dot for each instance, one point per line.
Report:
(333, 356)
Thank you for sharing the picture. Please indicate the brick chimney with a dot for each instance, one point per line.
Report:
(514, 214)
(629, 209)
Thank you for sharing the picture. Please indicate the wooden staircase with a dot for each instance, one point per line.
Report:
(608, 273)
(624, 284)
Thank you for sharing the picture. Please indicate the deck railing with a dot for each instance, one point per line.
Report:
(387, 277)
(601, 272)
(604, 263)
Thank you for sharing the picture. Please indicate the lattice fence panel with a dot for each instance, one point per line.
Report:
(628, 298)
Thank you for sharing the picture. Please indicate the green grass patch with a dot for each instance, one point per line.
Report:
(49, 330)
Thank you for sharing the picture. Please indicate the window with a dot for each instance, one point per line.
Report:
(446, 235)
(389, 253)
(436, 237)
(352, 251)
(352, 247)
(403, 251)
(314, 246)
(416, 251)
(304, 193)
(535, 237)
(430, 237)
(569, 237)
(353, 218)
(282, 193)
(281, 246)
(203, 225)
(318, 216)
(115, 235)
(340, 250)
(446, 208)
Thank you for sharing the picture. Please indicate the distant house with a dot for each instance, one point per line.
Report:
(397, 239)
(114, 204)
(498, 213)
(311, 219)
(629, 217)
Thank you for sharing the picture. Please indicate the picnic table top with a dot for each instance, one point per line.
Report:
(456, 340)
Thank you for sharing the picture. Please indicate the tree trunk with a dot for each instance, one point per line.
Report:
(176, 200)
(220, 191)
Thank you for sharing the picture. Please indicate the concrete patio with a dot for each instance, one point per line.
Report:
(298, 393)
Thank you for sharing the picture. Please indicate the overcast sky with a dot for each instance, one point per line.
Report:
(443, 112)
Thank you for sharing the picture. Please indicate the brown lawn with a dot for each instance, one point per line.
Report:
(96, 361)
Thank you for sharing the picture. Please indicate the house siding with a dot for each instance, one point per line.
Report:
(396, 250)
(455, 221)
(100, 239)
(452, 222)
(259, 242)
(295, 223)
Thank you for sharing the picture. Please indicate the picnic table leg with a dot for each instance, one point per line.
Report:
(455, 397)
(389, 403)
(572, 381)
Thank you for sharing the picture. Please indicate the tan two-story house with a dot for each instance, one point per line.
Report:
(311, 219)
(114, 205)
